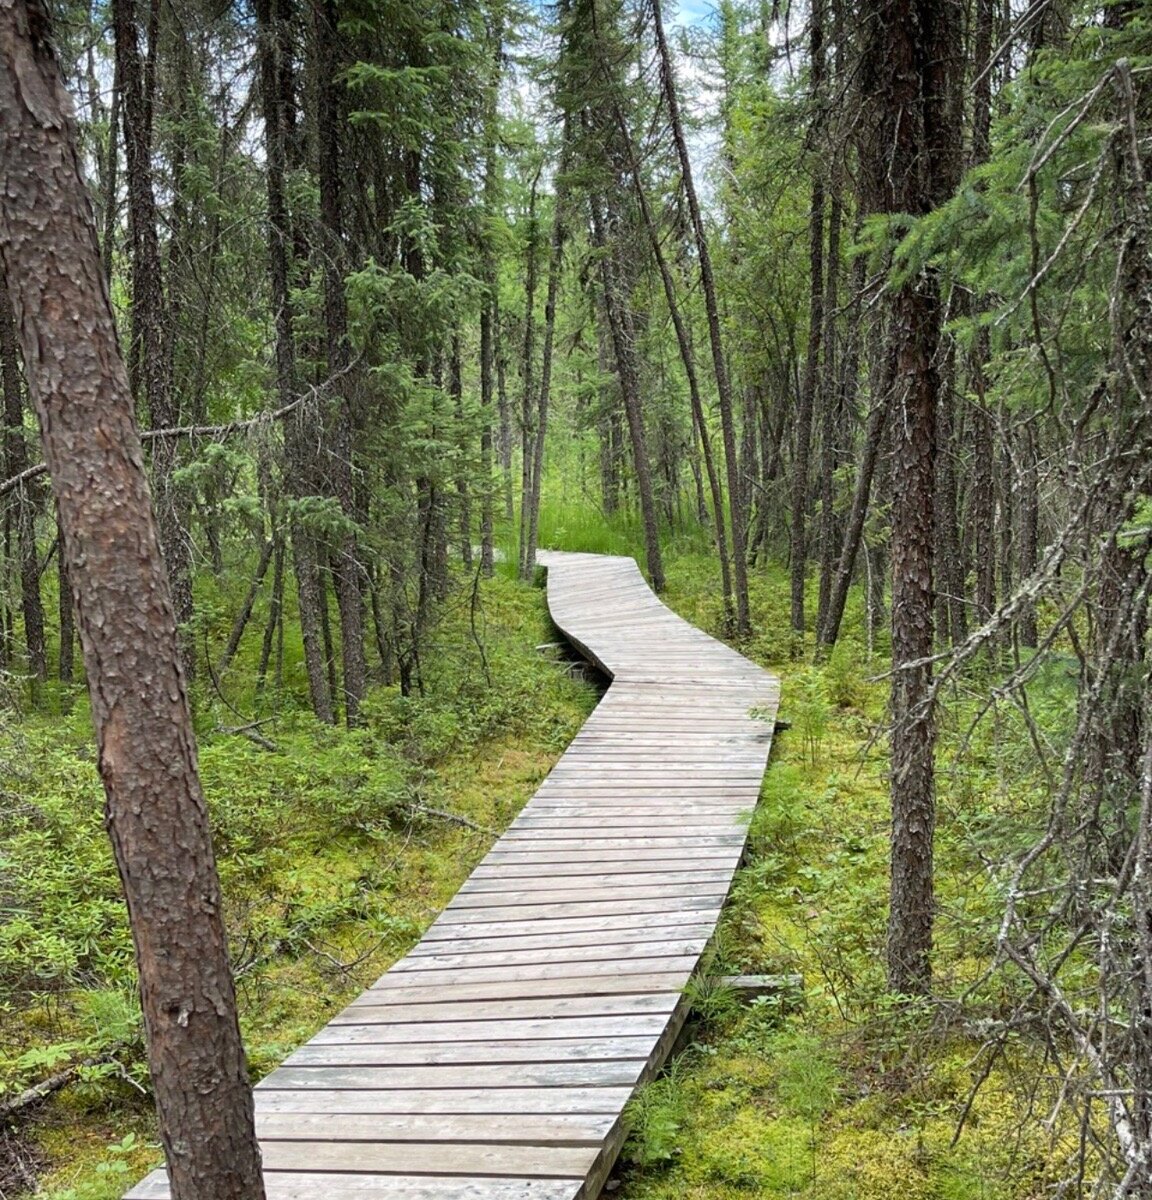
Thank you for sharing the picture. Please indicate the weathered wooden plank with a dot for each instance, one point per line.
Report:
(468, 1159)
(558, 1129)
(523, 956)
(340, 1186)
(514, 895)
(506, 881)
(621, 1073)
(361, 1013)
(482, 928)
(495, 1030)
(516, 1101)
(524, 989)
(533, 971)
(442, 1054)
(620, 942)
(588, 908)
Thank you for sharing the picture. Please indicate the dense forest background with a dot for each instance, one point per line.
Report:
(838, 316)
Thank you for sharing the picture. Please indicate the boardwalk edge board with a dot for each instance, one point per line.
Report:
(494, 1061)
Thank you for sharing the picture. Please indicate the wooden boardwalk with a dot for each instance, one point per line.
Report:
(493, 1062)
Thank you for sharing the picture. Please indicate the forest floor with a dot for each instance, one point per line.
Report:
(337, 850)
(841, 1092)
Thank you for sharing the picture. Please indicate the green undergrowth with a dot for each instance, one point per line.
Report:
(842, 1092)
(336, 849)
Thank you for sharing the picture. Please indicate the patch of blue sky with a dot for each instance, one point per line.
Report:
(691, 12)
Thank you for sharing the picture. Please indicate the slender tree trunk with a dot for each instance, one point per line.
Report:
(738, 515)
(347, 567)
(149, 316)
(487, 516)
(687, 358)
(540, 423)
(463, 489)
(23, 501)
(1029, 549)
(111, 179)
(622, 332)
(156, 815)
(982, 497)
(489, 312)
(245, 613)
(67, 616)
(528, 375)
(276, 92)
(829, 403)
(275, 613)
(503, 407)
(798, 545)
(857, 515)
(952, 616)
(910, 158)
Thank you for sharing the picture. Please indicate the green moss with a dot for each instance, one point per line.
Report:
(331, 853)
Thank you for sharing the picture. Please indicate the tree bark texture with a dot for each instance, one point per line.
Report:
(910, 153)
(156, 813)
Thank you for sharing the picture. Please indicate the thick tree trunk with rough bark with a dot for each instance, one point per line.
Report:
(156, 813)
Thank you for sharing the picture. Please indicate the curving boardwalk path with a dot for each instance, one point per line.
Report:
(493, 1062)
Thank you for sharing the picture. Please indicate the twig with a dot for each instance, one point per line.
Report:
(249, 732)
(422, 810)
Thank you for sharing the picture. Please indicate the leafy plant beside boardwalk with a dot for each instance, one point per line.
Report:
(836, 316)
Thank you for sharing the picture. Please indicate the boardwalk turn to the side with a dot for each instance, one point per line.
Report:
(493, 1062)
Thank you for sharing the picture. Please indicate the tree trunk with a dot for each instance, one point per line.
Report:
(737, 513)
(487, 516)
(347, 568)
(156, 815)
(857, 515)
(540, 422)
(619, 315)
(1029, 548)
(67, 669)
(528, 375)
(829, 393)
(245, 613)
(274, 51)
(688, 359)
(798, 543)
(910, 163)
(275, 614)
(23, 501)
(149, 317)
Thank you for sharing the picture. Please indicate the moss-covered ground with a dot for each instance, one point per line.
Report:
(337, 848)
